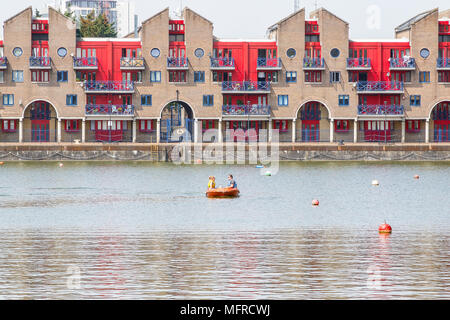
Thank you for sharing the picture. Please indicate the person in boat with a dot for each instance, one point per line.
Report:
(231, 183)
(212, 183)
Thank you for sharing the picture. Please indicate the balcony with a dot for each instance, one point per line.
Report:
(40, 63)
(268, 64)
(313, 64)
(380, 110)
(240, 87)
(402, 64)
(443, 63)
(222, 64)
(109, 110)
(377, 87)
(359, 64)
(246, 110)
(177, 63)
(132, 64)
(3, 63)
(85, 63)
(109, 87)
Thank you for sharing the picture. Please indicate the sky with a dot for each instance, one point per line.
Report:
(250, 19)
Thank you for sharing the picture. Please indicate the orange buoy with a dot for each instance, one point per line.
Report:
(315, 203)
(385, 228)
(1, 163)
(416, 177)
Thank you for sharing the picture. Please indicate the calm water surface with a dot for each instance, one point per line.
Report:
(146, 231)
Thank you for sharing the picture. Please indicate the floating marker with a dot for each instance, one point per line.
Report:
(1, 163)
(61, 165)
(375, 183)
(260, 167)
(315, 203)
(268, 173)
(385, 228)
(416, 177)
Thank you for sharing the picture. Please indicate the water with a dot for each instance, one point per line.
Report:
(146, 231)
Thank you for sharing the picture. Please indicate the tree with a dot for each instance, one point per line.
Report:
(69, 13)
(96, 27)
(37, 14)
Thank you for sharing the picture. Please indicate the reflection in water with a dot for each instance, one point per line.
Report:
(287, 264)
(139, 231)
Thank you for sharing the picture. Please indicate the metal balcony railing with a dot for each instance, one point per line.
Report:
(246, 110)
(403, 63)
(217, 63)
(174, 63)
(313, 63)
(85, 63)
(246, 86)
(359, 63)
(132, 63)
(3, 62)
(269, 63)
(40, 62)
(443, 63)
(380, 86)
(109, 86)
(109, 110)
(381, 110)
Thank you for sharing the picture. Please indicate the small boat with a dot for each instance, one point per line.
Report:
(223, 193)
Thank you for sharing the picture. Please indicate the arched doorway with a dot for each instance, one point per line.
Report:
(441, 122)
(314, 125)
(177, 120)
(40, 122)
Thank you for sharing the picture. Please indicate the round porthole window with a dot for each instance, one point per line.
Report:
(291, 53)
(199, 53)
(335, 53)
(155, 53)
(62, 52)
(17, 51)
(424, 53)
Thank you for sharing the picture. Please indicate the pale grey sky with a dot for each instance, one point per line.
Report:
(250, 18)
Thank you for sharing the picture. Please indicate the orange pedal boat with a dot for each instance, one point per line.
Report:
(223, 193)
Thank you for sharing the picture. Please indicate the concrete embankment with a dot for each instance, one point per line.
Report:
(194, 153)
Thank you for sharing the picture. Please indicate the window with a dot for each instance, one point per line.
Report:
(199, 53)
(342, 125)
(177, 76)
(2, 76)
(199, 76)
(17, 51)
(312, 38)
(9, 125)
(413, 125)
(155, 53)
(444, 76)
(414, 101)
(146, 125)
(62, 76)
(146, 100)
(313, 76)
(208, 100)
(72, 126)
(62, 52)
(17, 76)
(424, 53)
(335, 53)
(155, 76)
(291, 53)
(272, 76)
(291, 76)
(222, 76)
(344, 100)
(71, 100)
(283, 100)
(39, 76)
(8, 99)
(281, 125)
(335, 76)
(424, 76)
(132, 76)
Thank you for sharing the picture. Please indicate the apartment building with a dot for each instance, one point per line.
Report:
(177, 80)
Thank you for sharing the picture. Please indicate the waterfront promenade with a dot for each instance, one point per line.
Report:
(287, 151)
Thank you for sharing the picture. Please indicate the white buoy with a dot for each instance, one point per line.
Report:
(375, 183)
(268, 173)
(61, 165)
